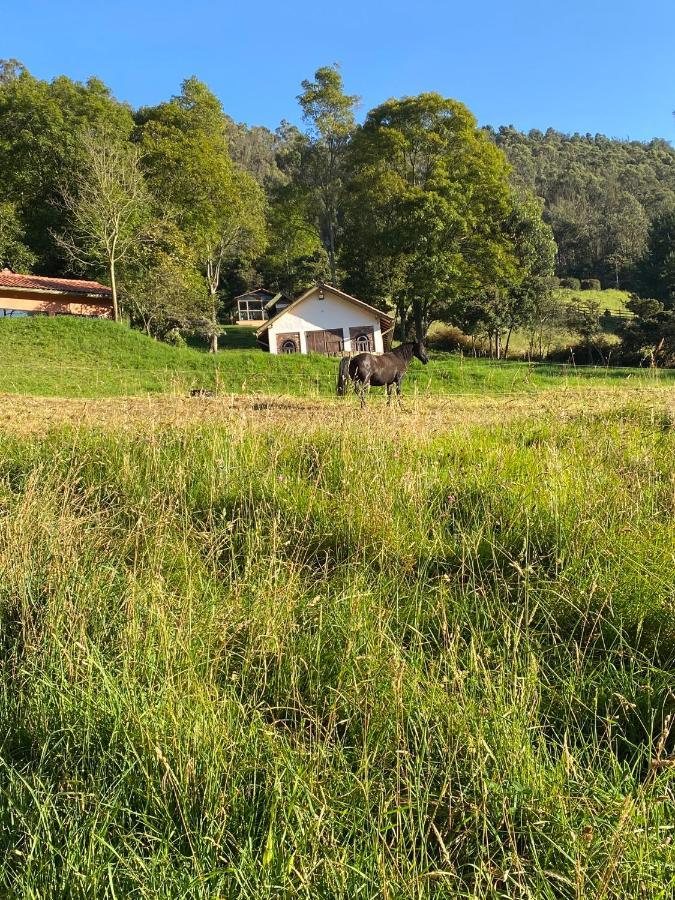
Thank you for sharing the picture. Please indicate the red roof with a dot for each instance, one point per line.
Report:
(9, 279)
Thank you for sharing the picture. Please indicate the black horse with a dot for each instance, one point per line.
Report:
(386, 370)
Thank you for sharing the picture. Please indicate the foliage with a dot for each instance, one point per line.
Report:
(219, 208)
(107, 206)
(426, 208)
(41, 124)
(295, 256)
(655, 272)
(600, 195)
(163, 288)
(591, 284)
(14, 253)
(320, 154)
(650, 336)
(572, 284)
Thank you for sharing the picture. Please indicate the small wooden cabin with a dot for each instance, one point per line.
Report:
(326, 320)
(257, 306)
(37, 295)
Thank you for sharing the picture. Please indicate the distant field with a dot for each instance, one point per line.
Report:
(70, 357)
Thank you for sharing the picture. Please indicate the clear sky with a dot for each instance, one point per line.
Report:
(576, 65)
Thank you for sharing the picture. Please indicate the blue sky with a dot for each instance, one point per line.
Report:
(596, 66)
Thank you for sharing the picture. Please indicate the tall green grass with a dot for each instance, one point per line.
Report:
(264, 664)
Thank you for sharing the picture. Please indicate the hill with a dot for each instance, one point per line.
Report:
(71, 357)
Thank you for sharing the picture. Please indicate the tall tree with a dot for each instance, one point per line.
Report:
(107, 207)
(427, 204)
(329, 114)
(40, 146)
(219, 208)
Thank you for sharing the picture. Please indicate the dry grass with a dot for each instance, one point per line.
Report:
(29, 415)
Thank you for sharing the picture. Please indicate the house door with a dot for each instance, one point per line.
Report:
(329, 342)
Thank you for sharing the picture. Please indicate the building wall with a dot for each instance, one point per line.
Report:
(55, 304)
(314, 314)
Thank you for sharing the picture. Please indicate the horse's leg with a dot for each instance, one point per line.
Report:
(365, 384)
(389, 390)
(398, 389)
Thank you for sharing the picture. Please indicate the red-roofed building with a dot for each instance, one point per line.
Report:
(34, 295)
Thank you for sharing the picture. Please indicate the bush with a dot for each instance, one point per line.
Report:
(591, 284)
(174, 338)
(572, 283)
(555, 281)
(452, 340)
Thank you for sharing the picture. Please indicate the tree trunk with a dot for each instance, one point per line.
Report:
(113, 288)
(213, 337)
(331, 253)
(420, 321)
(508, 341)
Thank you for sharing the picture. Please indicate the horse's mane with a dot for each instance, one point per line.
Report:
(405, 350)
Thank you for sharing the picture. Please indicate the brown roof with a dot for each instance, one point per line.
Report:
(9, 279)
(384, 318)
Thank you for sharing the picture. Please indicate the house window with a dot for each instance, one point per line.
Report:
(252, 310)
(288, 343)
(362, 338)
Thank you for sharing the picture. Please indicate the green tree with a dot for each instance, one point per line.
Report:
(14, 253)
(427, 204)
(295, 256)
(329, 113)
(164, 291)
(41, 124)
(219, 208)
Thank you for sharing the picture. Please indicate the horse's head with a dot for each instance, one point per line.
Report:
(420, 352)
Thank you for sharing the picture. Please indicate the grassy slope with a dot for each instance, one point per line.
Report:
(76, 357)
(259, 663)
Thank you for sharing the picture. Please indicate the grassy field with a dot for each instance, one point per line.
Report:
(415, 660)
(272, 646)
(68, 357)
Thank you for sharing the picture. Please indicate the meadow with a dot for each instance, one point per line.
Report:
(272, 648)
(67, 357)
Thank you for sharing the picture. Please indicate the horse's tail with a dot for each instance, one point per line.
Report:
(343, 376)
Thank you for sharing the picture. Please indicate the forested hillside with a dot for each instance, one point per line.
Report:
(416, 209)
(601, 196)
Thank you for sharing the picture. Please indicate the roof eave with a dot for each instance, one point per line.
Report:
(40, 290)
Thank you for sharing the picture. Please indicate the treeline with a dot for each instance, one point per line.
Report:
(604, 198)
(178, 207)
(416, 210)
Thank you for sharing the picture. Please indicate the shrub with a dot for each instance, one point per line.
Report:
(591, 284)
(555, 281)
(572, 283)
(451, 340)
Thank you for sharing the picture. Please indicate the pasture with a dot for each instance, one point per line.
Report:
(68, 357)
(273, 646)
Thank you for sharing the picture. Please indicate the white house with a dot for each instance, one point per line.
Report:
(326, 320)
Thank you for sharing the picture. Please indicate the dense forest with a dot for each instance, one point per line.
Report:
(416, 209)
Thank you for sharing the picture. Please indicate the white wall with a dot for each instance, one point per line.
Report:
(314, 314)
